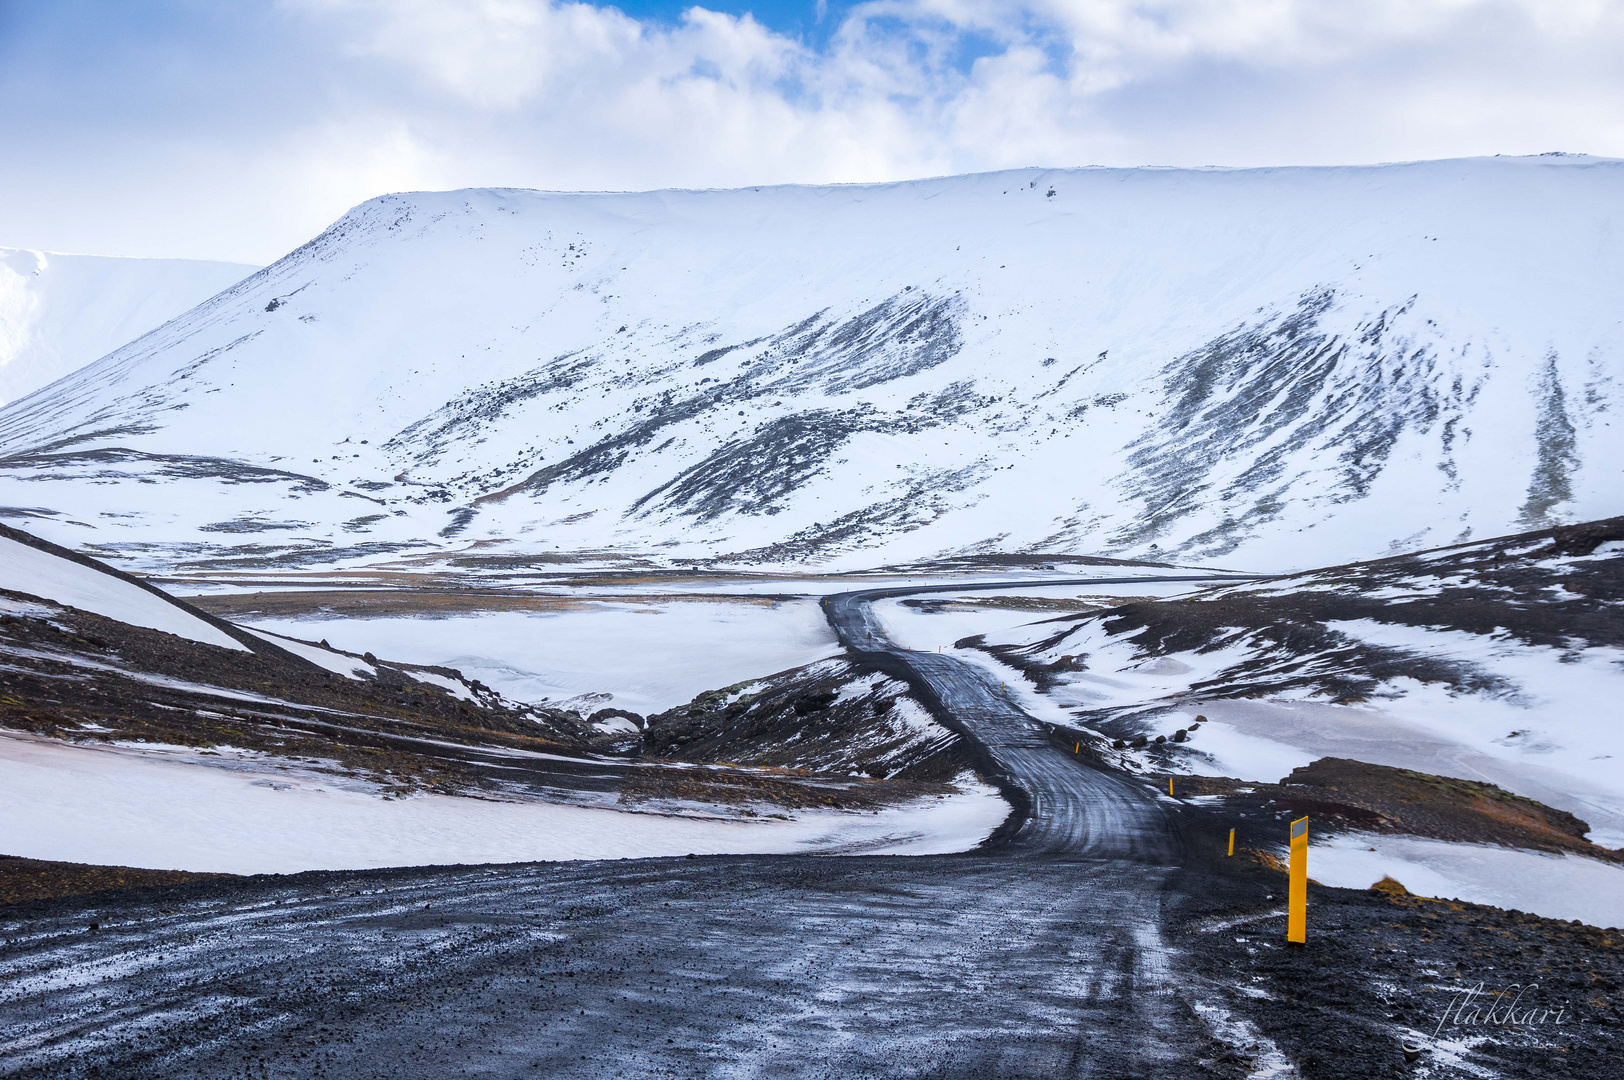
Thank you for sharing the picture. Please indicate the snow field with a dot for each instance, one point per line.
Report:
(1548, 735)
(158, 808)
(1545, 729)
(1265, 740)
(639, 657)
(915, 627)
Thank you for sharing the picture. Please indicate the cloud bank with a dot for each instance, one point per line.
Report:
(192, 130)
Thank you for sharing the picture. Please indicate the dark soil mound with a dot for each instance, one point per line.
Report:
(1342, 794)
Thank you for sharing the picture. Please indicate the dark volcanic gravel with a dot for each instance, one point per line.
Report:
(1383, 970)
(41, 879)
(952, 966)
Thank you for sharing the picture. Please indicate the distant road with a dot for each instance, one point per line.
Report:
(1069, 806)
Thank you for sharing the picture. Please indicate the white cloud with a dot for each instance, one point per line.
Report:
(890, 95)
(495, 54)
(397, 94)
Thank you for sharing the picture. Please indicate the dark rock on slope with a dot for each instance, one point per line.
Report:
(834, 716)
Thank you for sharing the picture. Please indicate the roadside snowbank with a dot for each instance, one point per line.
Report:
(1555, 886)
(143, 807)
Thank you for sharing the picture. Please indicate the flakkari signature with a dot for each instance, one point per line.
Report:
(1475, 1006)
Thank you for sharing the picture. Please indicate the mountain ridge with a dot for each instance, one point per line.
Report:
(1281, 367)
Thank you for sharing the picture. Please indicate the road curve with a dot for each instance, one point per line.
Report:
(1042, 956)
(1068, 806)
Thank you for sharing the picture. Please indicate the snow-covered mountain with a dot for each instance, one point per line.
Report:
(60, 312)
(1264, 368)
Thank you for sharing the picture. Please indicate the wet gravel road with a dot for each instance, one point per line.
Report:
(1069, 807)
(1041, 955)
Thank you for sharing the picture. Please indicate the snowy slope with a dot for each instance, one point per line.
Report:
(60, 312)
(1268, 368)
(25, 568)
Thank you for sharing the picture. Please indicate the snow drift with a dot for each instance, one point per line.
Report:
(1268, 368)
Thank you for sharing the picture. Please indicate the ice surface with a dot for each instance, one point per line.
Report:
(145, 807)
(29, 570)
(25, 609)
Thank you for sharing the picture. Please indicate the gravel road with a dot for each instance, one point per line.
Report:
(1042, 954)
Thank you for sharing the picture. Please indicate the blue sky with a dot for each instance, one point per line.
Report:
(808, 21)
(237, 130)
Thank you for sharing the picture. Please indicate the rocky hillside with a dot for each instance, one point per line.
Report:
(94, 657)
(1495, 660)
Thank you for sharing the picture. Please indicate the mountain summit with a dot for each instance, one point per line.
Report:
(1270, 367)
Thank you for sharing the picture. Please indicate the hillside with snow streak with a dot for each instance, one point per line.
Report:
(1259, 368)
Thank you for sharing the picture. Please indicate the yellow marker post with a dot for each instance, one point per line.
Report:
(1078, 749)
(1170, 785)
(1297, 890)
(1232, 842)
